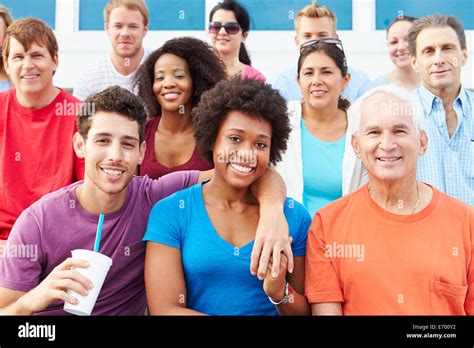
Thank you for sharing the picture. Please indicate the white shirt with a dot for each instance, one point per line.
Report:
(102, 75)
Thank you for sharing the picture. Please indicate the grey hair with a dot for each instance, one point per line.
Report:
(407, 97)
(435, 21)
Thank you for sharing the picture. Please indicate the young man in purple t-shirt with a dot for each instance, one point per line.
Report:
(36, 268)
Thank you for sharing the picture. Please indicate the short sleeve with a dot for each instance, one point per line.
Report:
(364, 85)
(321, 281)
(21, 260)
(259, 76)
(81, 90)
(171, 183)
(301, 225)
(252, 73)
(164, 223)
(281, 83)
(469, 302)
(84, 85)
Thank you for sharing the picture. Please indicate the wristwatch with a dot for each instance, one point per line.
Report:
(285, 298)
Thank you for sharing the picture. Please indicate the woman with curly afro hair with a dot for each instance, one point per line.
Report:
(171, 82)
(200, 239)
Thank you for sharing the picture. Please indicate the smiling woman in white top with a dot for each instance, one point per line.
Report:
(397, 42)
(320, 165)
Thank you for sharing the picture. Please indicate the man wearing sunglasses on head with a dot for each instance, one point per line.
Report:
(317, 22)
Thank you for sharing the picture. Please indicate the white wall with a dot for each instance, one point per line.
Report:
(271, 51)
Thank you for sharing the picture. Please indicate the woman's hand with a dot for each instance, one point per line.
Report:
(275, 287)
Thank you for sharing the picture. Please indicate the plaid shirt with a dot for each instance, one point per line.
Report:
(449, 162)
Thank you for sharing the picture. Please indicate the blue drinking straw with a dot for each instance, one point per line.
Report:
(99, 233)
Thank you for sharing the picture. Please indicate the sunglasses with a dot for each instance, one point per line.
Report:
(313, 43)
(231, 28)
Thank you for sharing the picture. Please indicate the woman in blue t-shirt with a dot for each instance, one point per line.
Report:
(200, 239)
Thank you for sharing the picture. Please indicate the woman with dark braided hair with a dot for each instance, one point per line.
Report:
(171, 82)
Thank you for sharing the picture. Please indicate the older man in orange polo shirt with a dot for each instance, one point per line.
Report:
(397, 246)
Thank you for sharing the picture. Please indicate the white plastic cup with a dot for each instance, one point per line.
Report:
(99, 266)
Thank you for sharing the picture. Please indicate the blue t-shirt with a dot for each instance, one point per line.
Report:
(217, 274)
(322, 170)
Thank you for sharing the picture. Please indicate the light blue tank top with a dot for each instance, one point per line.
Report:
(322, 170)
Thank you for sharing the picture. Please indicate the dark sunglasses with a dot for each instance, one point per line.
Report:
(231, 28)
(313, 43)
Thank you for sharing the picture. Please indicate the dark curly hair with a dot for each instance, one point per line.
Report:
(205, 66)
(114, 99)
(249, 96)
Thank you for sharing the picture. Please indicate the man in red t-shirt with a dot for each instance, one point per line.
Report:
(37, 123)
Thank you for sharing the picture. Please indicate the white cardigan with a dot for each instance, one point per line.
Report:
(290, 168)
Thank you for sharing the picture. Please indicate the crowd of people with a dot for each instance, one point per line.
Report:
(318, 192)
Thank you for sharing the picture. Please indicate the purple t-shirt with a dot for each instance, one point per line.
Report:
(45, 233)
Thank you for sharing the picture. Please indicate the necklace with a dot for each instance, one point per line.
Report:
(418, 198)
(417, 195)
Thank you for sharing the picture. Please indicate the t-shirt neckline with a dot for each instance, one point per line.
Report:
(243, 251)
(114, 69)
(36, 112)
(95, 217)
(397, 217)
(187, 164)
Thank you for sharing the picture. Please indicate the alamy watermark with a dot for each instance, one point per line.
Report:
(345, 251)
(23, 251)
(241, 156)
(67, 108)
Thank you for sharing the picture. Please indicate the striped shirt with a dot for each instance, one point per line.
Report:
(449, 162)
(101, 76)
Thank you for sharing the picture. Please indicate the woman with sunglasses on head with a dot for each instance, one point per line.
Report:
(397, 42)
(171, 82)
(229, 25)
(320, 165)
(199, 240)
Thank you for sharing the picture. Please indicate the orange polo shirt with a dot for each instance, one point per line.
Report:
(379, 263)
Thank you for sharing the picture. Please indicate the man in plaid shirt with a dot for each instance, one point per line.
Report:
(438, 48)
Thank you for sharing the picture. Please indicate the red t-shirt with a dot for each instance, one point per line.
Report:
(36, 153)
(151, 167)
